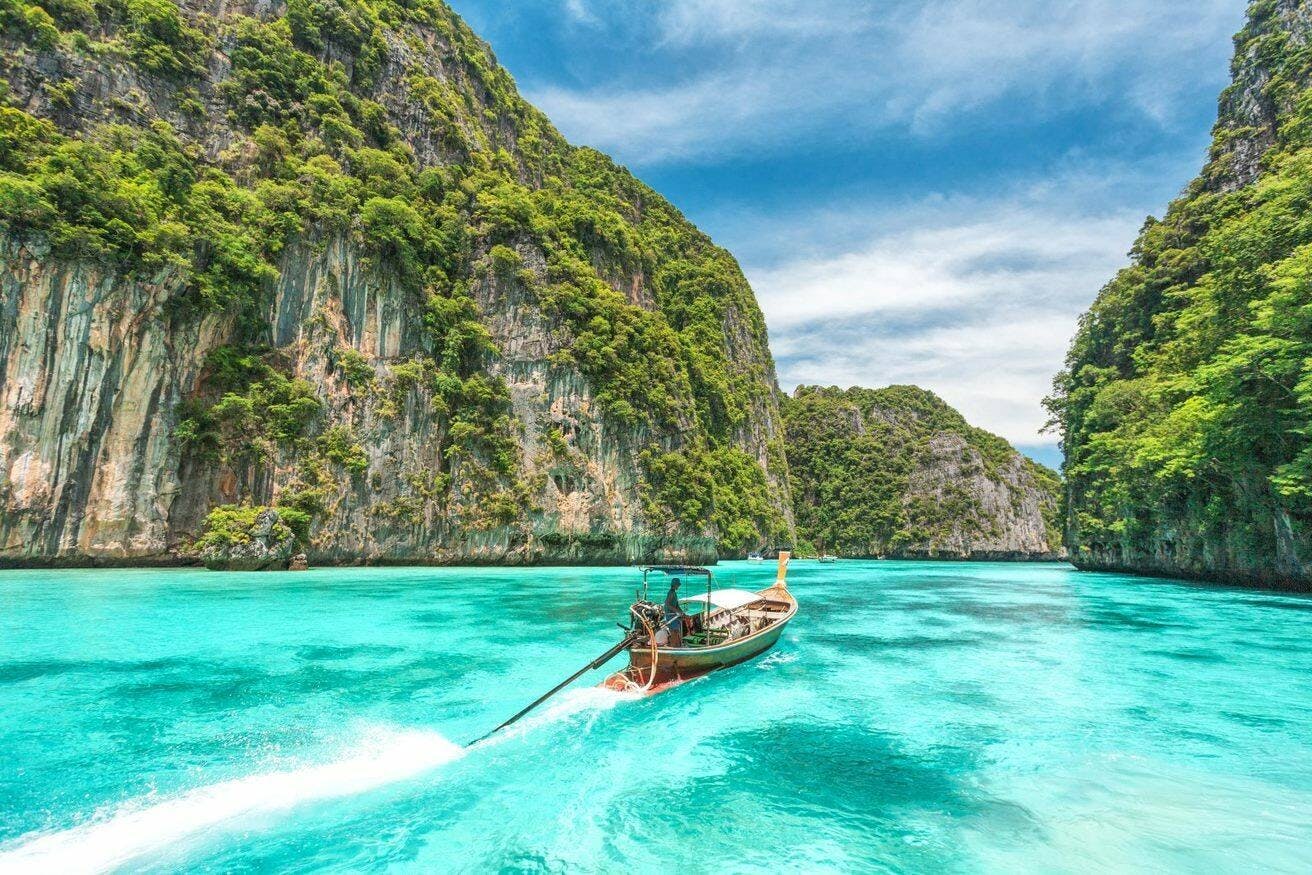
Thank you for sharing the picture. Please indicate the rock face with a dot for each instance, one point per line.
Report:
(88, 467)
(323, 258)
(897, 472)
(1186, 402)
(1252, 111)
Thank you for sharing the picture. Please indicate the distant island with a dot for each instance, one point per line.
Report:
(897, 473)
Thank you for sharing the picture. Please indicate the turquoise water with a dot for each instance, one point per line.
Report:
(915, 717)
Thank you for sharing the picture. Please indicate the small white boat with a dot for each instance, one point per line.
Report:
(755, 557)
(825, 557)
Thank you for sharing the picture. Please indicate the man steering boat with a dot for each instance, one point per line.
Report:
(674, 615)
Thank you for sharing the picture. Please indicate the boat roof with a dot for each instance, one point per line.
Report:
(727, 598)
(686, 570)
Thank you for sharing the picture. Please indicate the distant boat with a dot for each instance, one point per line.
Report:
(726, 627)
(825, 557)
(755, 557)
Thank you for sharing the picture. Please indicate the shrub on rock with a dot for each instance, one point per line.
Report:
(244, 538)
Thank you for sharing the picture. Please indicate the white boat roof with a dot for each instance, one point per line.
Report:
(727, 598)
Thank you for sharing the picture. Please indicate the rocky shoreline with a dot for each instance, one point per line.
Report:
(1245, 578)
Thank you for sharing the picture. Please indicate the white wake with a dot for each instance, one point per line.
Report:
(382, 757)
(563, 707)
(134, 829)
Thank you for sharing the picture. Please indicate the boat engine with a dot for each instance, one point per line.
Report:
(646, 614)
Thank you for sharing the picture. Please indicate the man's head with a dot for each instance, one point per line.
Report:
(674, 584)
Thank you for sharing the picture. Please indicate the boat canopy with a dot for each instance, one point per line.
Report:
(685, 570)
(727, 598)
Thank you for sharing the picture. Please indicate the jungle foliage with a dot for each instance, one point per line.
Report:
(1186, 401)
(852, 452)
(478, 179)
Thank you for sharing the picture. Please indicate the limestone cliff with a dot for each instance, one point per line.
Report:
(1186, 402)
(320, 256)
(897, 472)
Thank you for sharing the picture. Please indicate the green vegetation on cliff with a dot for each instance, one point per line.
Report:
(898, 471)
(230, 526)
(390, 125)
(1186, 402)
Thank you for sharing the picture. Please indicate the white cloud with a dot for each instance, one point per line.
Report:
(579, 11)
(975, 300)
(747, 75)
(970, 52)
(950, 261)
(697, 22)
(655, 125)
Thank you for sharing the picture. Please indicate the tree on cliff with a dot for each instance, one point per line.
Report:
(1186, 402)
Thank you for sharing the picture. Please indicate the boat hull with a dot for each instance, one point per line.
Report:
(677, 664)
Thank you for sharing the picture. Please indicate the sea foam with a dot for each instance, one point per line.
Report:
(588, 701)
(381, 757)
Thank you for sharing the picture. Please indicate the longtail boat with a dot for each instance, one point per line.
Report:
(667, 646)
(710, 631)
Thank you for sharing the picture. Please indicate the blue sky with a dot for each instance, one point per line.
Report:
(921, 191)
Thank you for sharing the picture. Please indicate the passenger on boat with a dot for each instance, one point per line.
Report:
(674, 614)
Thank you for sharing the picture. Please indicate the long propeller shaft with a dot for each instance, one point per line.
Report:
(596, 663)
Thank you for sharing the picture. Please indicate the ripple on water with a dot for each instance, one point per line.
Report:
(915, 717)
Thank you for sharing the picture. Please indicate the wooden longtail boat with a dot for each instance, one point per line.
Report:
(724, 627)
(728, 626)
